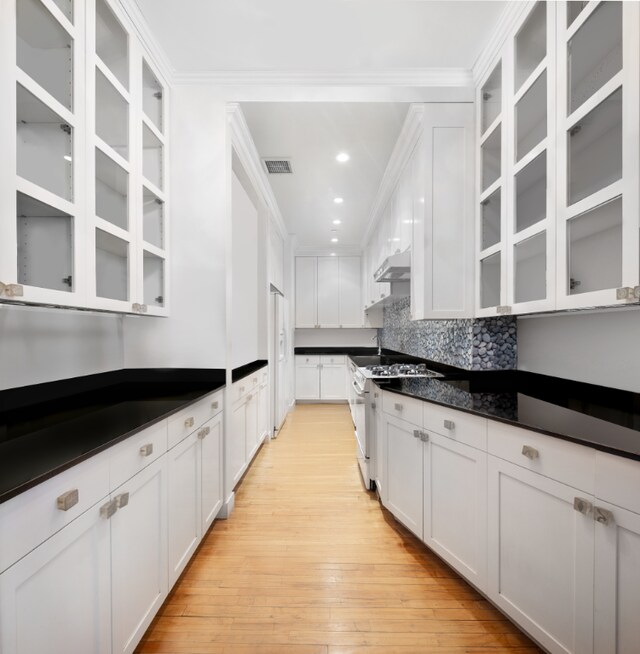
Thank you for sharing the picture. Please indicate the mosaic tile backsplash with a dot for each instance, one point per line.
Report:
(473, 344)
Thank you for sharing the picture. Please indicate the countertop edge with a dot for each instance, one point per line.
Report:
(243, 371)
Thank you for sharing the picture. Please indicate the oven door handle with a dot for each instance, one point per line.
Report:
(359, 391)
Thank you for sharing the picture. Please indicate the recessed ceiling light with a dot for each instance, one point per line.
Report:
(333, 254)
(334, 240)
(338, 200)
(337, 222)
(342, 157)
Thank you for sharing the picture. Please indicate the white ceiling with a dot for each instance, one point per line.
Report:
(312, 134)
(320, 35)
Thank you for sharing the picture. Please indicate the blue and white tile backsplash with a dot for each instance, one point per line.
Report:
(473, 344)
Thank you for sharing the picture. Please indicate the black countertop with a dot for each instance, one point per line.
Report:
(339, 349)
(247, 369)
(603, 418)
(47, 428)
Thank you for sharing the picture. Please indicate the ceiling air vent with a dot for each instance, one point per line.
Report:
(277, 165)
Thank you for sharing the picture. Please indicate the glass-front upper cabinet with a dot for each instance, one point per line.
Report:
(598, 153)
(531, 162)
(491, 249)
(41, 65)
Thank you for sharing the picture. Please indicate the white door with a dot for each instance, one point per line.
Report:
(333, 381)
(351, 306)
(211, 471)
(138, 555)
(307, 377)
(541, 557)
(183, 463)
(236, 453)
(328, 292)
(455, 505)
(306, 292)
(251, 433)
(57, 599)
(404, 473)
(617, 582)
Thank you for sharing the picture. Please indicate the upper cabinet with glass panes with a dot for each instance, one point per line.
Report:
(88, 190)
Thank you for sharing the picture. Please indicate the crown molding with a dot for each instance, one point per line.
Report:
(247, 153)
(419, 77)
(509, 19)
(407, 140)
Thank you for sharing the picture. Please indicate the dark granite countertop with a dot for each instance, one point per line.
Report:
(336, 349)
(240, 373)
(603, 418)
(47, 428)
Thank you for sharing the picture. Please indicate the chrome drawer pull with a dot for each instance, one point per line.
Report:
(68, 500)
(449, 424)
(214, 405)
(530, 452)
(204, 432)
(582, 506)
(108, 509)
(146, 450)
(424, 437)
(417, 433)
(603, 516)
(189, 422)
(121, 500)
(397, 406)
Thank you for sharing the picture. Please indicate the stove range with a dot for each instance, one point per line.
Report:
(398, 370)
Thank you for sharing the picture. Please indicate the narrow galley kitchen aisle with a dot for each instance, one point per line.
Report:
(309, 563)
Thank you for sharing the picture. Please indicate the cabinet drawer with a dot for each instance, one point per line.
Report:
(563, 461)
(188, 420)
(137, 452)
(618, 481)
(307, 359)
(460, 426)
(401, 406)
(336, 359)
(34, 516)
(243, 386)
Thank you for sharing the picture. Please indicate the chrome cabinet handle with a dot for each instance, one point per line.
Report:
(416, 433)
(189, 422)
(582, 506)
(530, 452)
(241, 389)
(603, 516)
(204, 432)
(121, 500)
(214, 405)
(108, 509)
(449, 424)
(397, 406)
(146, 450)
(424, 437)
(249, 397)
(255, 380)
(68, 500)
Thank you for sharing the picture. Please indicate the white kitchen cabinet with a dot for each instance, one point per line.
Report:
(329, 288)
(57, 599)
(350, 302)
(455, 505)
(139, 572)
(235, 451)
(264, 397)
(404, 472)
(441, 175)
(306, 292)
(541, 554)
(252, 434)
(321, 377)
(210, 436)
(85, 162)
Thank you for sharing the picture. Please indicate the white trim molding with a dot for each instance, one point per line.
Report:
(407, 140)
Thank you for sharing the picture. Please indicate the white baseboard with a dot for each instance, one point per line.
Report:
(227, 507)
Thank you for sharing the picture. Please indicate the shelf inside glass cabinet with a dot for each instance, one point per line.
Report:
(112, 42)
(112, 266)
(112, 116)
(66, 7)
(153, 218)
(152, 164)
(574, 9)
(531, 43)
(531, 117)
(45, 245)
(595, 248)
(491, 218)
(112, 191)
(153, 280)
(491, 158)
(491, 98)
(44, 50)
(531, 193)
(152, 96)
(595, 149)
(594, 53)
(531, 269)
(44, 145)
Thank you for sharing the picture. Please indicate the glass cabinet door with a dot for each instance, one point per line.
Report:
(598, 245)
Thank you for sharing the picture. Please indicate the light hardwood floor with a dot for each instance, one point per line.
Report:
(309, 563)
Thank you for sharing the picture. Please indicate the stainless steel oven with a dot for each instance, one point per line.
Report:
(360, 399)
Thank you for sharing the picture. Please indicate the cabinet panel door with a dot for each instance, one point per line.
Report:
(139, 555)
(236, 453)
(333, 382)
(351, 312)
(617, 582)
(328, 291)
(263, 411)
(541, 557)
(306, 292)
(211, 472)
(404, 473)
(183, 509)
(251, 433)
(57, 598)
(455, 505)
(307, 381)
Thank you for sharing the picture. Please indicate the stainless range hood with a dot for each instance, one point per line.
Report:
(396, 268)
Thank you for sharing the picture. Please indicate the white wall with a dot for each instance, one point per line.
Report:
(597, 348)
(194, 335)
(335, 337)
(41, 345)
(244, 280)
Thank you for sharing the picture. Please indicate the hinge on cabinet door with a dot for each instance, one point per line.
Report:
(574, 283)
(68, 280)
(65, 128)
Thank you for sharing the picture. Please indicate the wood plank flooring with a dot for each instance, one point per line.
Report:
(309, 563)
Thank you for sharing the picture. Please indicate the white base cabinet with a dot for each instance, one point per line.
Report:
(321, 377)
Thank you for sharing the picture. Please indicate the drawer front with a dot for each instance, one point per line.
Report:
(336, 359)
(563, 461)
(618, 481)
(188, 420)
(307, 359)
(137, 452)
(214, 404)
(403, 407)
(460, 426)
(243, 387)
(33, 516)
